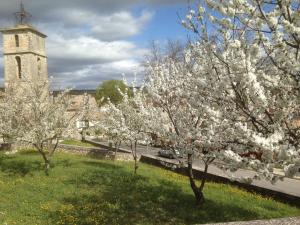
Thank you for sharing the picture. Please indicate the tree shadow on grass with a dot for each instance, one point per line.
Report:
(13, 165)
(19, 167)
(113, 195)
(29, 152)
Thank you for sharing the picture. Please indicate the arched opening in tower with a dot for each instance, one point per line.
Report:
(19, 67)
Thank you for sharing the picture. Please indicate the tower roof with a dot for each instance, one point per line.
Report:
(22, 27)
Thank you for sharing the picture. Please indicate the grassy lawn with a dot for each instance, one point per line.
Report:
(81, 190)
(77, 143)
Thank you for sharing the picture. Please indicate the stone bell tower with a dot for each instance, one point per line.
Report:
(24, 52)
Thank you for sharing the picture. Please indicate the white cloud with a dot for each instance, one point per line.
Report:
(106, 27)
(120, 25)
(84, 62)
(92, 75)
(88, 48)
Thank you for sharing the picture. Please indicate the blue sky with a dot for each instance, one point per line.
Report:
(164, 25)
(91, 41)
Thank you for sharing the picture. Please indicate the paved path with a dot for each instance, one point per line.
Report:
(283, 221)
(288, 186)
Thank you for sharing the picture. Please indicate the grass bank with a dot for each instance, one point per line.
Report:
(81, 190)
(77, 143)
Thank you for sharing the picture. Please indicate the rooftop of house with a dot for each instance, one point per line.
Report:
(71, 92)
(76, 92)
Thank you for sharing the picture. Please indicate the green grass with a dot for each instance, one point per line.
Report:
(77, 143)
(81, 190)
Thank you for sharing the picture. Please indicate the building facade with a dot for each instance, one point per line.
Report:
(24, 55)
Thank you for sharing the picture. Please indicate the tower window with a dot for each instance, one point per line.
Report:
(17, 40)
(19, 67)
(39, 66)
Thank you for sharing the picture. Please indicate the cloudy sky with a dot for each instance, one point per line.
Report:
(94, 40)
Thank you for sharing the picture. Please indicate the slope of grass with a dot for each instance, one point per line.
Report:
(85, 191)
(77, 143)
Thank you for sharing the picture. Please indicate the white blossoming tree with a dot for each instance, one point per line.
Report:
(35, 117)
(127, 122)
(235, 93)
(187, 120)
(8, 116)
(248, 52)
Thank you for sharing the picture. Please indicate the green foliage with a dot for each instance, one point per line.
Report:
(81, 190)
(98, 131)
(109, 90)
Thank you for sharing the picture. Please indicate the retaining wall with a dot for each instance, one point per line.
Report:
(95, 152)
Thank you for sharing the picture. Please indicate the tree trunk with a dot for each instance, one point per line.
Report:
(135, 165)
(46, 162)
(83, 135)
(47, 166)
(199, 197)
(45, 157)
(133, 150)
(117, 146)
(53, 147)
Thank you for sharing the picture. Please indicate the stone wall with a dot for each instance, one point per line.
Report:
(100, 153)
(123, 156)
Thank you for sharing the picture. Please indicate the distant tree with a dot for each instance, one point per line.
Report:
(110, 90)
